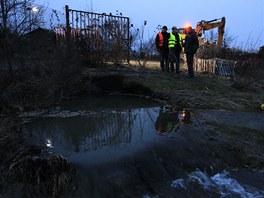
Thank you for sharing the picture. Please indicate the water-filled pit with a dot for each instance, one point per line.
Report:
(112, 138)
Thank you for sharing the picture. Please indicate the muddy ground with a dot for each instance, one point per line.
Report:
(231, 139)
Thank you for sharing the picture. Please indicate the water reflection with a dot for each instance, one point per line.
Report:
(91, 131)
(49, 145)
(94, 130)
(169, 119)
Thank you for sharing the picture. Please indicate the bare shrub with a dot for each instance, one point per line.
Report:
(104, 38)
(48, 177)
(41, 79)
(208, 50)
(140, 49)
(248, 68)
(17, 18)
(97, 50)
(249, 71)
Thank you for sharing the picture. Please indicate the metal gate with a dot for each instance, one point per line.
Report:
(99, 35)
(215, 66)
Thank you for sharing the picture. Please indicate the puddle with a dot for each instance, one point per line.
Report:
(92, 132)
(135, 147)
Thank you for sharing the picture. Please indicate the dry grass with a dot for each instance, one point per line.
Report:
(204, 91)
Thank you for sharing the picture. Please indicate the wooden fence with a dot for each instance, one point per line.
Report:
(215, 66)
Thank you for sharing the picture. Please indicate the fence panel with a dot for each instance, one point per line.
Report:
(101, 35)
(215, 66)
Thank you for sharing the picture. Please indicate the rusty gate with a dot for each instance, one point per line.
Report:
(104, 36)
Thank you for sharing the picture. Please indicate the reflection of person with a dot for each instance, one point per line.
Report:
(161, 42)
(190, 47)
(166, 121)
(185, 116)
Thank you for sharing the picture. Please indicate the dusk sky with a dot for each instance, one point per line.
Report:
(244, 18)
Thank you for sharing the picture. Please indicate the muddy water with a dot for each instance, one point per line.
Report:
(126, 146)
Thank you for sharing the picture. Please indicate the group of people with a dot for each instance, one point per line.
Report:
(169, 46)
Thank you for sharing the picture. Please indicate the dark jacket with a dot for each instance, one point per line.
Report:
(191, 43)
(166, 37)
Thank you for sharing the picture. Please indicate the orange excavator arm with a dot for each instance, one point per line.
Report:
(208, 25)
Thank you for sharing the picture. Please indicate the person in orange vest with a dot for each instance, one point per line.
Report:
(161, 41)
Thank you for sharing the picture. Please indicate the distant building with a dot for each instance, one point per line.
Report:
(41, 39)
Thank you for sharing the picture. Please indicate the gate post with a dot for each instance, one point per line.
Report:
(68, 28)
(128, 40)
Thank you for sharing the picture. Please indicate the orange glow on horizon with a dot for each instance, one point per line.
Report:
(186, 24)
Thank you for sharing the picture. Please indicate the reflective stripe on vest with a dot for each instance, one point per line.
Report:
(160, 39)
(172, 41)
(180, 37)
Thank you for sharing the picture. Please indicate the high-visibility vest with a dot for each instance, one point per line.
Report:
(160, 39)
(171, 41)
(180, 37)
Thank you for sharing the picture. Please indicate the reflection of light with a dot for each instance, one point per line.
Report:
(183, 114)
(48, 143)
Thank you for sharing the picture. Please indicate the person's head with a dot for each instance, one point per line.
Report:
(164, 28)
(189, 29)
(174, 29)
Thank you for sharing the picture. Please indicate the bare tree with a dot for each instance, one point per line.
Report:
(140, 48)
(17, 17)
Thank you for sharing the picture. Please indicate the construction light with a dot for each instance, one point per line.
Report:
(34, 9)
(187, 24)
